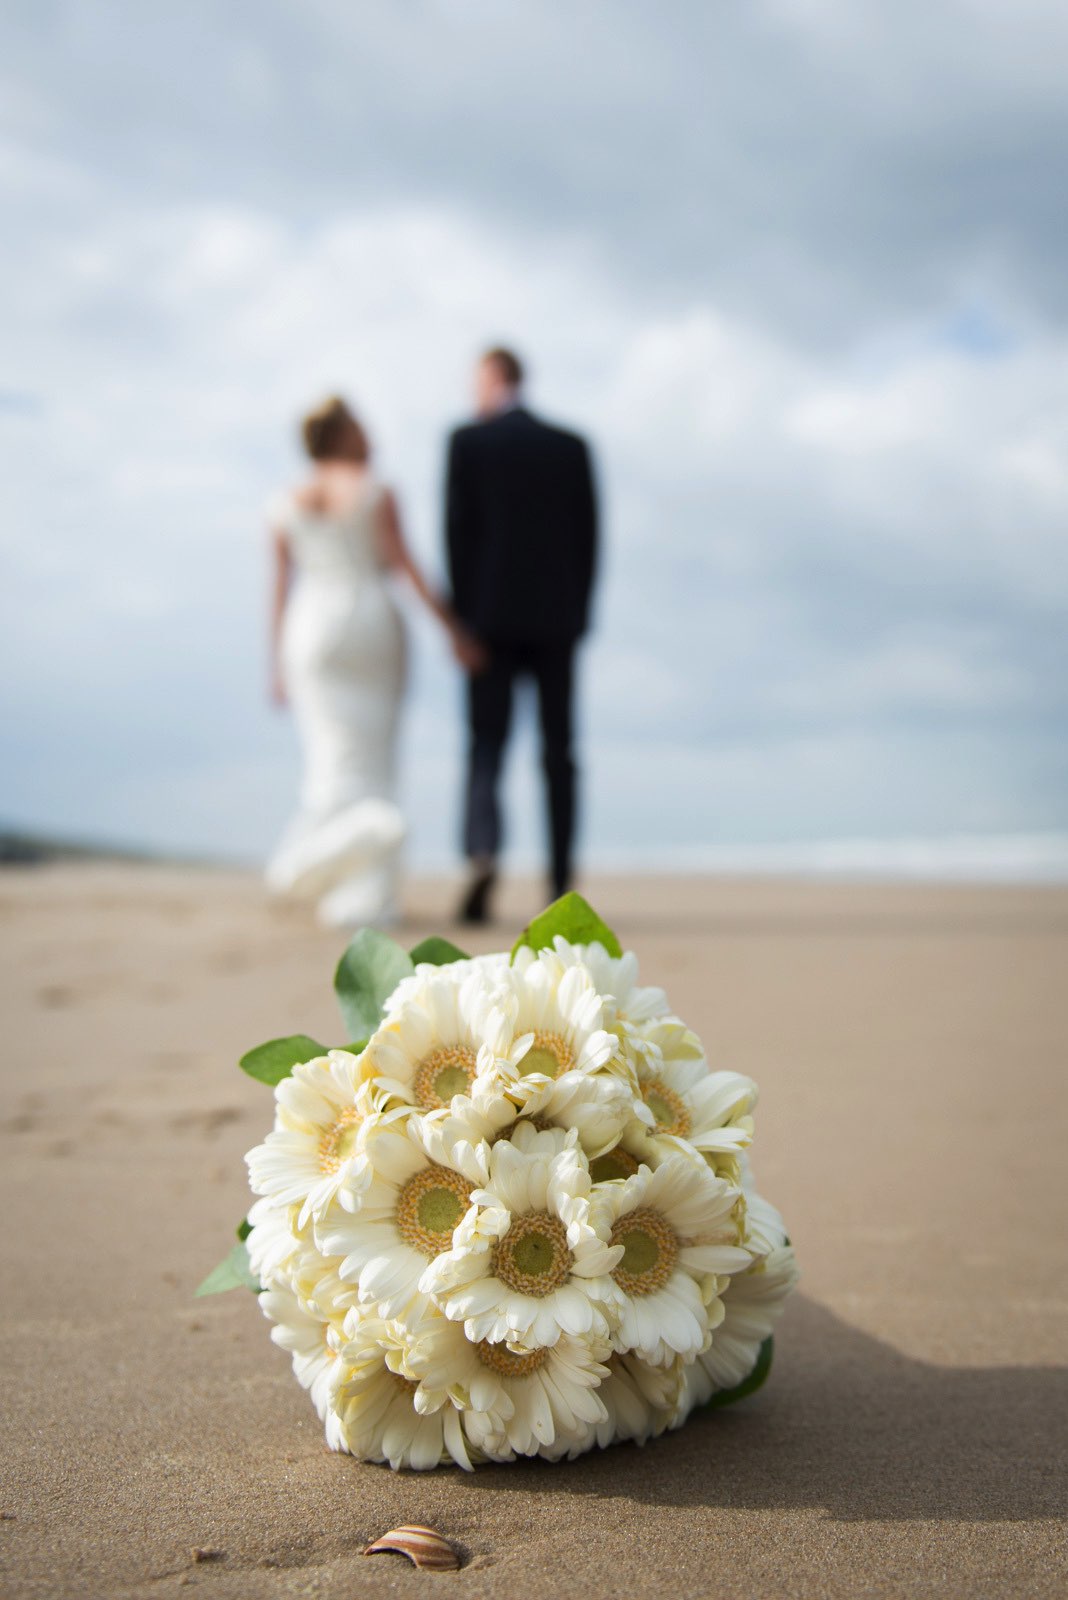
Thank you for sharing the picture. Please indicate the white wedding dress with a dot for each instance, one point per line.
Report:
(343, 661)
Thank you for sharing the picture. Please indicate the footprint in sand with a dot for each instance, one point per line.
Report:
(57, 996)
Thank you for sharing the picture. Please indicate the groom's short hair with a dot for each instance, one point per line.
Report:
(507, 363)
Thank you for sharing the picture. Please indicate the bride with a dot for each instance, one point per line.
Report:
(338, 659)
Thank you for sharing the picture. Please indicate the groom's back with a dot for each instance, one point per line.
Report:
(521, 525)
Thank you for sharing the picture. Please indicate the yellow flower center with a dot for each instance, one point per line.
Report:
(650, 1251)
(339, 1142)
(429, 1207)
(540, 1123)
(667, 1107)
(617, 1163)
(500, 1359)
(550, 1054)
(533, 1257)
(445, 1072)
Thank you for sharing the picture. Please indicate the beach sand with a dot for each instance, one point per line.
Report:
(910, 1047)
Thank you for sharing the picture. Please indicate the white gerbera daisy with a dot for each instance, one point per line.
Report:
(764, 1227)
(637, 1013)
(640, 1401)
(315, 1280)
(662, 1039)
(565, 1068)
(753, 1301)
(456, 972)
(273, 1241)
(471, 1120)
(675, 1226)
(308, 1157)
(410, 1197)
(513, 1402)
(283, 1255)
(560, 1019)
(313, 1343)
(439, 1036)
(598, 1106)
(526, 1265)
(373, 1400)
(592, 1108)
(693, 1109)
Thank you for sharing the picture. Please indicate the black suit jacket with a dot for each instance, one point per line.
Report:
(521, 527)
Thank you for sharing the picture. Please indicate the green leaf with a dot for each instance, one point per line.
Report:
(275, 1060)
(233, 1272)
(727, 1397)
(244, 1228)
(366, 976)
(439, 952)
(575, 920)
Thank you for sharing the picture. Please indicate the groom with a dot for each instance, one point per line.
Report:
(521, 528)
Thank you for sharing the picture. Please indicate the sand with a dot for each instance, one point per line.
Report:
(910, 1045)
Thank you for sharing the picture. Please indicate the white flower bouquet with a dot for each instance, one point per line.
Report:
(517, 1218)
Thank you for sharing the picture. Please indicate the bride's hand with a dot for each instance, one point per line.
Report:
(470, 652)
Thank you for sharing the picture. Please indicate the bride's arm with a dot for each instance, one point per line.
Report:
(395, 554)
(281, 572)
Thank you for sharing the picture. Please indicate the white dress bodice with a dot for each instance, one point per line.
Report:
(340, 547)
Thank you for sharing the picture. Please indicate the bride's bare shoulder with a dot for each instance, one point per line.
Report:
(309, 496)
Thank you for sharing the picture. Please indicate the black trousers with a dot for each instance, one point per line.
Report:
(490, 695)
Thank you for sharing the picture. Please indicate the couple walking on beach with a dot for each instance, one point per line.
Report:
(521, 538)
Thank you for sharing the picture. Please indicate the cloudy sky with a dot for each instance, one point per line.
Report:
(800, 269)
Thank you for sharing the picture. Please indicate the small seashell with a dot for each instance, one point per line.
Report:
(424, 1546)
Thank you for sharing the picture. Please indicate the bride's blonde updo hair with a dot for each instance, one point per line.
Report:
(332, 432)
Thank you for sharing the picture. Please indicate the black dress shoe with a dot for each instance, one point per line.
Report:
(474, 907)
